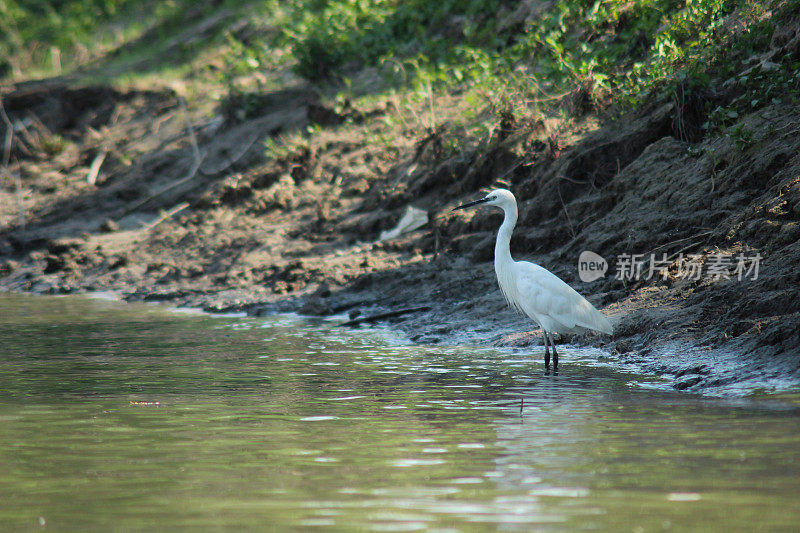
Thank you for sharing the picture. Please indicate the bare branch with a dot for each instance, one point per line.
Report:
(7, 158)
(198, 159)
(94, 169)
(167, 215)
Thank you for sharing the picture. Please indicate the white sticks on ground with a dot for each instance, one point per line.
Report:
(535, 291)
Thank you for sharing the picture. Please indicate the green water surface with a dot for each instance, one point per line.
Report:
(121, 417)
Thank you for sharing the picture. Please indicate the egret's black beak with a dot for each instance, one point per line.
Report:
(476, 202)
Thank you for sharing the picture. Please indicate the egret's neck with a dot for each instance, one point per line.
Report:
(502, 249)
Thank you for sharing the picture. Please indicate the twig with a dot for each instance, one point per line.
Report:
(159, 121)
(189, 127)
(198, 159)
(189, 176)
(34, 143)
(94, 169)
(547, 96)
(167, 215)
(382, 316)
(6, 159)
(231, 161)
(430, 103)
(41, 128)
(566, 213)
(178, 136)
(576, 182)
(9, 136)
(702, 234)
(20, 204)
(684, 249)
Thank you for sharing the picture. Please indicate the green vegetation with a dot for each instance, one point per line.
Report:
(39, 35)
(609, 52)
(40, 38)
(327, 35)
(64, 24)
(706, 55)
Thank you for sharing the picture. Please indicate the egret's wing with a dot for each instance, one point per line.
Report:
(543, 294)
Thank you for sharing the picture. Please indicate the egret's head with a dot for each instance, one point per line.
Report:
(498, 197)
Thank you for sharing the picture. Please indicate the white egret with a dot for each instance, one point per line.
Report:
(534, 290)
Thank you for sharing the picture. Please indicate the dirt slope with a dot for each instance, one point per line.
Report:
(202, 216)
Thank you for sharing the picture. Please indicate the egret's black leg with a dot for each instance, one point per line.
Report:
(555, 353)
(546, 351)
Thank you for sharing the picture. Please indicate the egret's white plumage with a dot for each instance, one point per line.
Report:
(534, 290)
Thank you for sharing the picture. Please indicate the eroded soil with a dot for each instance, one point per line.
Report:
(207, 216)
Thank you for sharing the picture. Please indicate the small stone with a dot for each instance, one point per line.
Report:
(699, 369)
(316, 306)
(685, 384)
(622, 347)
(323, 291)
(109, 226)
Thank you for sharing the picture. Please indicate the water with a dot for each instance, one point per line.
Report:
(137, 418)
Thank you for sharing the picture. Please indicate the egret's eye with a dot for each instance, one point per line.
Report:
(493, 198)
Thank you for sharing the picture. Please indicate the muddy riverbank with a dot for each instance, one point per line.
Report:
(116, 192)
